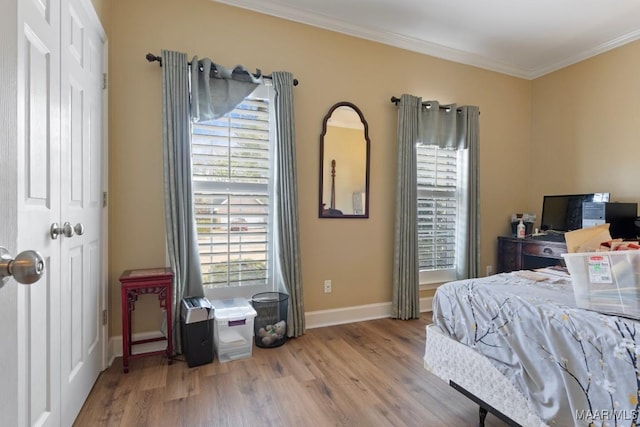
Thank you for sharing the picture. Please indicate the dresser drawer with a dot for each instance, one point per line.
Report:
(544, 249)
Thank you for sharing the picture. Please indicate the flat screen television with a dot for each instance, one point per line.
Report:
(563, 212)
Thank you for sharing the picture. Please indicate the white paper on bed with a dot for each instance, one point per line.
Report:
(574, 366)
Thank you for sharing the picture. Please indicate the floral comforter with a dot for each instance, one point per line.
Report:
(575, 366)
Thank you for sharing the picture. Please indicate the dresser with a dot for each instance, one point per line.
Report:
(528, 253)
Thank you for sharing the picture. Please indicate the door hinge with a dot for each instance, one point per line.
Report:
(105, 317)
(104, 81)
(104, 199)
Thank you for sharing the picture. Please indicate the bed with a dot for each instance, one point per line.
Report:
(516, 344)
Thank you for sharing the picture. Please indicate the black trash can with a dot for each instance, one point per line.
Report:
(270, 324)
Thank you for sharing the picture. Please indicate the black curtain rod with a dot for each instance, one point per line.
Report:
(426, 104)
(151, 58)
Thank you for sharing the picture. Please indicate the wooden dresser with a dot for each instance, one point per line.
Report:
(528, 253)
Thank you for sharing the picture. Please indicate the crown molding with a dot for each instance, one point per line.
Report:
(590, 53)
(421, 46)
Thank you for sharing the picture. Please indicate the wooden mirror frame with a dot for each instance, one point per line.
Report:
(322, 212)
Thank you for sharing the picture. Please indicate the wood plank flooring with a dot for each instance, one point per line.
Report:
(359, 374)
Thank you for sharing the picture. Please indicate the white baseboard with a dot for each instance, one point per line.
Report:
(313, 319)
(360, 313)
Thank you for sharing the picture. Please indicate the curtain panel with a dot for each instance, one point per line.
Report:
(182, 240)
(215, 90)
(405, 302)
(457, 128)
(437, 126)
(286, 201)
(469, 243)
(448, 127)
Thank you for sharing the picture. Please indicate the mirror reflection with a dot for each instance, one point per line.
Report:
(344, 163)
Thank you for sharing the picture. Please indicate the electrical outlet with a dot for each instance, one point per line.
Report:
(327, 286)
(489, 270)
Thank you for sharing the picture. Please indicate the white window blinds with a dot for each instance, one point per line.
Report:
(437, 180)
(231, 180)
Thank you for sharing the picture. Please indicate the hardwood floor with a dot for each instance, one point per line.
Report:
(359, 374)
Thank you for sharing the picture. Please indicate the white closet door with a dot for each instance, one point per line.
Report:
(38, 205)
(55, 322)
(81, 206)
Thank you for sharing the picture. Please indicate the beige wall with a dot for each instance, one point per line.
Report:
(585, 128)
(102, 9)
(355, 254)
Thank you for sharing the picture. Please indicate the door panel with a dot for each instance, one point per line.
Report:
(93, 325)
(81, 148)
(72, 318)
(43, 406)
(38, 205)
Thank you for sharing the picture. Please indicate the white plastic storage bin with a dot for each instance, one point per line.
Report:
(608, 282)
(233, 332)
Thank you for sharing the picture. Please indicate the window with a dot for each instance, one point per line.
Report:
(232, 174)
(438, 185)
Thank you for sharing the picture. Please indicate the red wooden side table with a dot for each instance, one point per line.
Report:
(141, 282)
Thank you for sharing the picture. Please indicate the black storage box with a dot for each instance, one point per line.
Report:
(197, 331)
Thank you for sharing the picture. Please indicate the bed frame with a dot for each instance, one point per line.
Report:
(478, 379)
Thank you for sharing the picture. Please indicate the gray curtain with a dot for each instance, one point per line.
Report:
(469, 238)
(182, 240)
(438, 125)
(448, 127)
(216, 90)
(286, 203)
(405, 299)
(456, 128)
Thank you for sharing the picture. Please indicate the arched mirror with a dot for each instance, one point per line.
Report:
(344, 163)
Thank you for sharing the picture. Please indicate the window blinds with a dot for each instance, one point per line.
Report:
(231, 171)
(437, 181)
